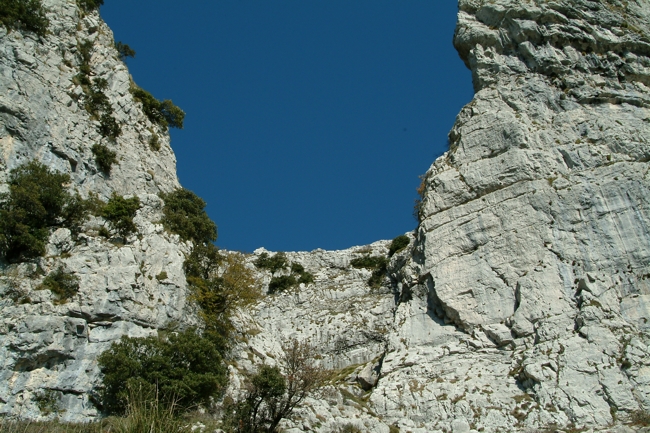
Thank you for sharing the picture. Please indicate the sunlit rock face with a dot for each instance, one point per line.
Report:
(534, 238)
(50, 349)
(521, 303)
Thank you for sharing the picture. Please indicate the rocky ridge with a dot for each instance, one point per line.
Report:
(520, 305)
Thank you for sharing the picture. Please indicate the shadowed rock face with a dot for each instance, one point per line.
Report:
(521, 304)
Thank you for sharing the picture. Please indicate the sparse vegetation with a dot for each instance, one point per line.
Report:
(154, 142)
(119, 213)
(62, 283)
(273, 393)
(95, 100)
(24, 14)
(378, 266)
(163, 113)
(184, 214)
(37, 201)
(220, 284)
(281, 283)
(104, 157)
(273, 263)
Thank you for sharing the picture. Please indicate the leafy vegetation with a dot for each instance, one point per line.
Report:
(273, 393)
(220, 284)
(37, 201)
(282, 283)
(24, 14)
(184, 214)
(63, 284)
(273, 263)
(104, 157)
(398, 244)
(183, 369)
(119, 213)
(95, 100)
(124, 51)
(377, 264)
(89, 5)
(164, 113)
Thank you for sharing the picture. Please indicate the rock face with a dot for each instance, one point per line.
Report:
(521, 304)
(50, 349)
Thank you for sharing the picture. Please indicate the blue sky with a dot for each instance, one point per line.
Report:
(307, 122)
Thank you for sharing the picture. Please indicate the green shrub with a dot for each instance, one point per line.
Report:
(109, 127)
(184, 214)
(282, 283)
(63, 284)
(398, 244)
(274, 263)
(221, 285)
(164, 113)
(369, 262)
(89, 5)
(185, 368)
(377, 264)
(36, 201)
(24, 14)
(124, 51)
(104, 157)
(119, 213)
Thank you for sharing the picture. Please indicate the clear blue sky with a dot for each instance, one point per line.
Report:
(308, 121)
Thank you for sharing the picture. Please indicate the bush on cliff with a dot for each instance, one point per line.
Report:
(119, 213)
(184, 369)
(184, 214)
(37, 201)
(24, 14)
(164, 113)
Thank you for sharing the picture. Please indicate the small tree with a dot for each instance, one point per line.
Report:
(37, 200)
(184, 214)
(273, 393)
(119, 213)
(89, 5)
(63, 284)
(398, 244)
(124, 51)
(164, 113)
(184, 368)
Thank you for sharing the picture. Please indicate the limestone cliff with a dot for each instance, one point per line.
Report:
(522, 302)
(45, 346)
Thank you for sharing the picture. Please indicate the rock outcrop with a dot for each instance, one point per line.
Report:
(521, 304)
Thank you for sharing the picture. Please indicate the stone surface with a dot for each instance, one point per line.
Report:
(521, 304)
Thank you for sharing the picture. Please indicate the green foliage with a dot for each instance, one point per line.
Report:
(271, 395)
(369, 262)
(63, 284)
(124, 51)
(37, 200)
(161, 276)
(104, 157)
(24, 14)
(220, 284)
(89, 5)
(185, 369)
(398, 244)
(95, 100)
(274, 263)
(377, 264)
(279, 262)
(184, 214)
(164, 113)
(282, 283)
(119, 213)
